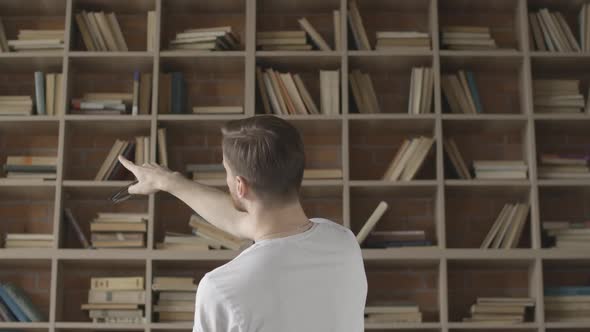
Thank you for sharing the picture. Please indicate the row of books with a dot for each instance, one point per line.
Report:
(100, 31)
(551, 32)
(175, 300)
(467, 38)
(558, 96)
(421, 90)
(500, 169)
(113, 103)
(16, 305)
(461, 94)
(112, 169)
(408, 159)
(28, 240)
(296, 40)
(48, 99)
(105, 297)
(565, 234)
(393, 313)
(363, 92)
(402, 40)
(563, 166)
(32, 40)
(567, 303)
(506, 230)
(285, 93)
(357, 27)
(118, 230)
(220, 38)
(500, 309)
(30, 167)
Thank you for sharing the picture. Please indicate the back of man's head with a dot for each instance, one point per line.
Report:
(268, 153)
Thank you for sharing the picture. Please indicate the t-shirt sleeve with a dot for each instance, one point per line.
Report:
(212, 311)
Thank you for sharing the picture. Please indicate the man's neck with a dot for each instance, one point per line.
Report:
(279, 222)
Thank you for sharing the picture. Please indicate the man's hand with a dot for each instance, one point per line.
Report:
(151, 177)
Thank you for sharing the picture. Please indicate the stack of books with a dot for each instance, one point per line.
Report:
(567, 303)
(137, 151)
(204, 229)
(397, 239)
(393, 313)
(456, 159)
(206, 39)
(563, 166)
(16, 105)
(173, 94)
(500, 309)
(565, 234)
(100, 31)
(507, 228)
(206, 171)
(179, 241)
(421, 90)
(31, 167)
(16, 305)
(557, 96)
(405, 40)
(467, 38)
(283, 40)
(27, 240)
(357, 27)
(118, 230)
(409, 159)
(37, 40)
(176, 298)
(116, 300)
(500, 169)
(285, 93)
(461, 94)
(551, 32)
(363, 92)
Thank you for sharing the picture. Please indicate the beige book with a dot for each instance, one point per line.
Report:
(114, 160)
(356, 92)
(139, 160)
(494, 309)
(176, 297)
(107, 313)
(415, 87)
(31, 160)
(294, 95)
(95, 31)
(162, 147)
(408, 153)
(369, 90)
(122, 216)
(358, 27)
(522, 301)
(50, 94)
(314, 35)
(145, 93)
(28, 244)
(280, 34)
(174, 281)
(391, 309)
(456, 86)
(117, 227)
(277, 91)
(504, 227)
(146, 149)
(412, 317)
(536, 31)
(114, 297)
(335, 94)
(176, 316)
(205, 229)
(151, 30)
(337, 30)
(112, 306)
(117, 283)
(285, 94)
(125, 97)
(466, 29)
(29, 236)
(263, 93)
(183, 246)
(309, 103)
(561, 33)
(59, 97)
(396, 159)
(513, 236)
(325, 100)
(115, 151)
(282, 41)
(116, 29)
(188, 307)
(545, 32)
(449, 94)
(105, 30)
(372, 221)
(568, 33)
(545, 16)
(426, 98)
(415, 163)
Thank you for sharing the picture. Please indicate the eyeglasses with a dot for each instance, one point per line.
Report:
(122, 194)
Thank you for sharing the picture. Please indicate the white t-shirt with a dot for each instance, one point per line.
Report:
(312, 281)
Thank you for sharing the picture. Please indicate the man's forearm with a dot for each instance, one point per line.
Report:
(211, 203)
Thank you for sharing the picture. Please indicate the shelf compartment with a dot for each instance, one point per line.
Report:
(565, 273)
(132, 18)
(471, 211)
(275, 15)
(569, 10)
(499, 82)
(89, 143)
(502, 17)
(405, 281)
(73, 283)
(374, 143)
(104, 74)
(209, 81)
(391, 77)
(178, 16)
(320, 201)
(33, 277)
(393, 16)
(409, 208)
(487, 140)
(502, 278)
(85, 202)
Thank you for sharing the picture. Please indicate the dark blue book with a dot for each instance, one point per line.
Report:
(396, 244)
(11, 304)
(5, 313)
(178, 100)
(24, 303)
(474, 92)
(567, 291)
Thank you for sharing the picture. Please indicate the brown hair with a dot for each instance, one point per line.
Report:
(267, 152)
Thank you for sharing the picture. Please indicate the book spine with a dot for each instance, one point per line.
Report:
(567, 291)
(135, 106)
(176, 98)
(11, 304)
(474, 91)
(24, 303)
(74, 223)
(5, 313)
(40, 93)
(131, 283)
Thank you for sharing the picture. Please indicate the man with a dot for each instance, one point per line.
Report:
(300, 274)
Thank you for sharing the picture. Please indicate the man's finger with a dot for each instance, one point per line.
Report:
(128, 164)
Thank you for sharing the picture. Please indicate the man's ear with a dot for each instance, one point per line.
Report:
(241, 186)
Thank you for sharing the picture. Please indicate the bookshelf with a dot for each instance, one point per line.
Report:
(455, 214)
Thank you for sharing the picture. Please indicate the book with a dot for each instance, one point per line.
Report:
(372, 221)
(314, 35)
(10, 302)
(117, 283)
(205, 229)
(97, 296)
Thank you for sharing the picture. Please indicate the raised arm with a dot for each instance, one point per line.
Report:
(211, 203)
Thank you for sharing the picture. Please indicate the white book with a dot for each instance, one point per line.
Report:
(372, 221)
